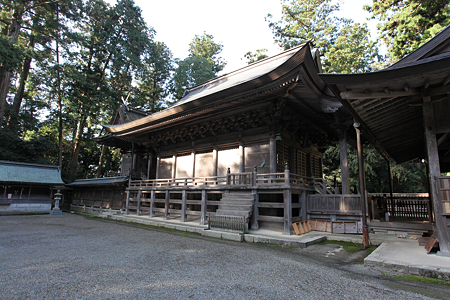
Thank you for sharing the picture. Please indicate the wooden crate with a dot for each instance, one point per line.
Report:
(320, 225)
(301, 227)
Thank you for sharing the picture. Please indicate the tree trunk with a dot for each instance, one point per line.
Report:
(21, 89)
(76, 148)
(5, 81)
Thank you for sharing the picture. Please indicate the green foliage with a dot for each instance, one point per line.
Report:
(190, 72)
(205, 47)
(11, 54)
(407, 177)
(33, 148)
(154, 78)
(405, 25)
(258, 55)
(344, 44)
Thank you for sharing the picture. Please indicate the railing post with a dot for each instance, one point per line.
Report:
(228, 176)
(127, 205)
(152, 203)
(287, 179)
(254, 177)
(183, 206)
(204, 207)
(138, 211)
(166, 205)
(255, 224)
(287, 195)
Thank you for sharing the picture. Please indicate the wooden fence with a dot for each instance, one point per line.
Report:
(334, 204)
(402, 206)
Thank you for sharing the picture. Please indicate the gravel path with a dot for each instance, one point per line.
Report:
(77, 257)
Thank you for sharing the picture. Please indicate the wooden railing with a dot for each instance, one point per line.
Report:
(247, 179)
(402, 206)
(323, 187)
(348, 204)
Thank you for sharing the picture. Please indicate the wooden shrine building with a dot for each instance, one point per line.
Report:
(248, 143)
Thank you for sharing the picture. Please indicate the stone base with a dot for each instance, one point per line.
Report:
(56, 212)
(446, 254)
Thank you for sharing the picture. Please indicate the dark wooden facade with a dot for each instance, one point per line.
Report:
(27, 188)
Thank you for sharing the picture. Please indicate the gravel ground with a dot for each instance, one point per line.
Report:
(78, 257)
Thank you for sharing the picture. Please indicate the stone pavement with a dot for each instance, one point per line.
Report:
(396, 254)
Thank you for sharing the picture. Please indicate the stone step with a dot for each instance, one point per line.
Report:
(220, 212)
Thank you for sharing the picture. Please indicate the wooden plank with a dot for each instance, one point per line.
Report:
(271, 219)
(296, 229)
(432, 242)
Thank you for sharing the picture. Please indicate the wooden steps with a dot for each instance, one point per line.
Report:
(236, 204)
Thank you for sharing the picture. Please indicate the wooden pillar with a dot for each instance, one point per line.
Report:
(193, 163)
(203, 208)
(435, 172)
(343, 155)
(152, 204)
(174, 166)
(183, 205)
(149, 163)
(255, 215)
(166, 205)
(215, 161)
(304, 201)
(241, 158)
(292, 160)
(127, 203)
(362, 185)
(158, 163)
(273, 154)
(138, 211)
(287, 197)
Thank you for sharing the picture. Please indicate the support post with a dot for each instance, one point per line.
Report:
(391, 188)
(183, 205)
(149, 163)
(435, 172)
(127, 203)
(204, 208)
(287, 197)
(174, 166)
(273, 154)
(241, 158)
(193, 163)
(304, 201)
(158, 163)
(287, 178)
(138, 211)
(343, 155)
(152, 204)
(215, 161)
(255, 215)
(166, 205)
(362, 185)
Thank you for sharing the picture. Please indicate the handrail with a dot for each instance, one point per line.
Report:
(248, 179)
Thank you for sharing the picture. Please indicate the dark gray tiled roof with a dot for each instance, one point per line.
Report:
(15, 172)
(98, 181)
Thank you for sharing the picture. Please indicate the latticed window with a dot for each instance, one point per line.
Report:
(282, 156)
(301, 164)
(316, 165)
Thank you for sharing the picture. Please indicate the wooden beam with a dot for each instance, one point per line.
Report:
(379, 94)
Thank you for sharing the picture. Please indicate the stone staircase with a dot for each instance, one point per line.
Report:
(237, 204)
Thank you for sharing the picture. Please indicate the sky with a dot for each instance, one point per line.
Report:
(238, 24)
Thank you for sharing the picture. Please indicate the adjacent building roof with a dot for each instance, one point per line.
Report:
(99, 181)
(16, 172)
(388, 103)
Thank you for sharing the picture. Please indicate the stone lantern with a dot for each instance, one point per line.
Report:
(56, 210)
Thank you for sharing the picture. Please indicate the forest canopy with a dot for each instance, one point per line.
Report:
(66, 66)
